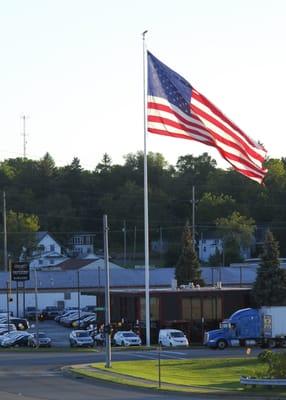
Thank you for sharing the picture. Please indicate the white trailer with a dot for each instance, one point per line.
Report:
(273, 320)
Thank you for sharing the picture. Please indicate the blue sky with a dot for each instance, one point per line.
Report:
(74, 68)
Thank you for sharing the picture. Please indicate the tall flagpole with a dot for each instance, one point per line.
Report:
(146, 225)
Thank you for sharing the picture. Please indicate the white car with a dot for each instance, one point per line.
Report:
(126, 338)
(172, 338)
(80, 338)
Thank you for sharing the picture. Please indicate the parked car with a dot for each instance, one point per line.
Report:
(126, 338)
(42, 340)
(85, 321)
(7, 328)
(70, 319)
(20, 323)
(63, 314)
(15, 339)
(50, 312)
(4, 314)
(31, 314)
(80, 338)
(91, 309)
(172, 338)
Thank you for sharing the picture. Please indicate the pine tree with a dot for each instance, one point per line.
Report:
(269, 289)
(188, 266)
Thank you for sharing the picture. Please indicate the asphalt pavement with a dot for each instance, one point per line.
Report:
(38, 375)
(58, 333)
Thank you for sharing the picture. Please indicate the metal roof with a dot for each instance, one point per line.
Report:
(130, 278)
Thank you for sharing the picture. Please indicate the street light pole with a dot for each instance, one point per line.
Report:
(107, 295)
(124, 242)
(36, 306)
(5, 233)
(8, 306)
(78, 295)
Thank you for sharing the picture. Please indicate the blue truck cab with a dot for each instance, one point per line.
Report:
(243, 328)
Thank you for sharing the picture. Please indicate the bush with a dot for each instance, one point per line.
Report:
(265, 356)
(276, 364)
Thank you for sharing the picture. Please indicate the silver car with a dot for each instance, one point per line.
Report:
(126, 338)
(80, 338)
(42, 340)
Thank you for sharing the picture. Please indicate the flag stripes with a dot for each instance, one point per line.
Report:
(202, 122)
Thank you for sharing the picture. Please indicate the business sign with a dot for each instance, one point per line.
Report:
(267, 325)
(20, 271)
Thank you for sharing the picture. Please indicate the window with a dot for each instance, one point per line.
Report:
(40, 262)
(208, 311)
(186, 309)
(52, 247)
(212, 308)
(191, 308)
(154, 308)
(196, 308)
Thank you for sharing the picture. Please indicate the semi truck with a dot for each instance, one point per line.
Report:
(265, 327)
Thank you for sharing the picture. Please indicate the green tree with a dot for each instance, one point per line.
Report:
(215, 260)
(269, 288)
(188, 266)
(212, 206)
(237, 233)
(105, 164)
(21, 229)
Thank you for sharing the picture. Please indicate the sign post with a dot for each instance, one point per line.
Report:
(20, 271)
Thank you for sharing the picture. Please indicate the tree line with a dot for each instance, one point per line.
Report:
(69, 199)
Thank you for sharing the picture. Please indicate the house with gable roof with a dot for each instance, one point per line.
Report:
(48, 253)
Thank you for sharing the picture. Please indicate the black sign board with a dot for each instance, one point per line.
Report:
(20, 271)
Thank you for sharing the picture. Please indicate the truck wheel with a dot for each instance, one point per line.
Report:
(221, 344)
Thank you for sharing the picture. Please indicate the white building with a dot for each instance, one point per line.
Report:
(48, 252)
(208, 247)
(82, 244)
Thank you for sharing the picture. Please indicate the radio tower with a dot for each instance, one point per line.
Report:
(24, 134)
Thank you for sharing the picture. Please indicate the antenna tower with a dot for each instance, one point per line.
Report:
(24, 135)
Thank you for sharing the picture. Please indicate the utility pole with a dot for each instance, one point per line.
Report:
(5, 233)
(134, 244)
(8, 306)
(24, 136)
(161, 243)
(124, 242)
(193, 201)
(36, 306)
(107, 327)
(78, 296)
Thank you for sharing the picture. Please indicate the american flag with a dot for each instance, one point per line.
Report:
(176, 109)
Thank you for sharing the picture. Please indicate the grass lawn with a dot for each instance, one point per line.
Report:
(203, 372)
(206, 375)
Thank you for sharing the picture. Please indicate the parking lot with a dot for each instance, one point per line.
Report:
(58, 333)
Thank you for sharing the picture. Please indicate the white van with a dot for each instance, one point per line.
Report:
(172, 337)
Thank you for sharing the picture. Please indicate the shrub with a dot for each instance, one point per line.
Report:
(276, 363)
(265, 356)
